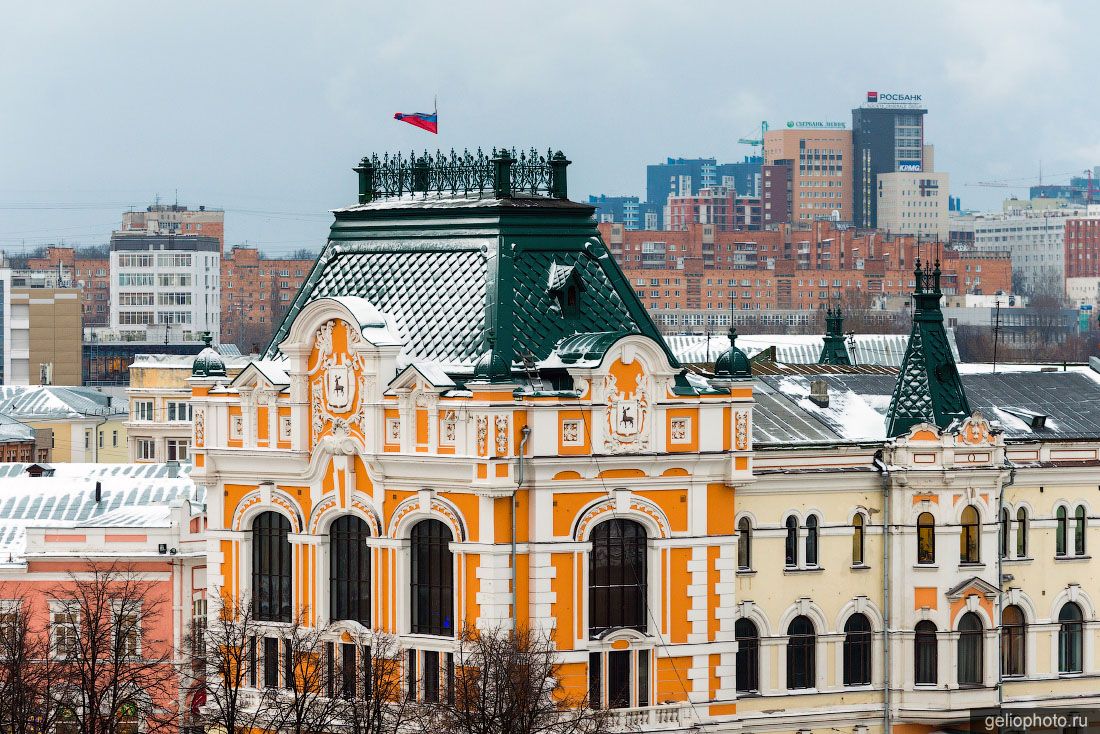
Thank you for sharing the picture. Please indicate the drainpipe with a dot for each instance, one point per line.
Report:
(884, 472)
(1000, 577)
(525, 433)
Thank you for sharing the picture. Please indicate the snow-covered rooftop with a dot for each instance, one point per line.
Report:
(54, 402)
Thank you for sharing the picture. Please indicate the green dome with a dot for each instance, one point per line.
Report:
(732, 363)
(208, 363)
(491, 366)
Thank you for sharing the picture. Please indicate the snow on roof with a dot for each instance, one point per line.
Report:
(273, 370)
(131, 495)
(53, 402)
(185, 361)
(877, 349)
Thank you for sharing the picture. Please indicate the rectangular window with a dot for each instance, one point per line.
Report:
(643, 678)
(174, 260)
(135, 299)
(595, 681)
(146, 449)
(618, 679)
(143, 410)
(431, 676)
(271, 662)
(132, 260)
(170, 280)
(179, 410)
(135, 279)
(289, 678)
(410, 675)
(64, 629)
(347, 670)
(253, 669)
(178, 449)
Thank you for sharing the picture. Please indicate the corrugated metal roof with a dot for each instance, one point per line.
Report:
(1070, 400)
(874, 349)
(132, 495)
(53, 402)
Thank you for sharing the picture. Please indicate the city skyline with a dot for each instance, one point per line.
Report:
(263, 124)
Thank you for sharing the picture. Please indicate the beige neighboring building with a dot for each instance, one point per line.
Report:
(915, 203)
(1083, 291)
(72, 424)
(46, 336)
(821, 171)
(159, 398)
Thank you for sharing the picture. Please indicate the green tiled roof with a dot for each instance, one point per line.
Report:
(450, 271)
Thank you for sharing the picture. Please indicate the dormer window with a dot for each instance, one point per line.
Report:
(565, 286)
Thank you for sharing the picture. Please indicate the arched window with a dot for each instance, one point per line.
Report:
(969, 539)
(1070, 638)
(1013, 634)
(1061, 533)
(811, 540)
(857, 539)
(744, 544)
(1021, 533)
(925, 653)
(971, 650)
(432, 579)
(1079, 522)
(748, 655)
(271, 568)
(791, 545)
(926, 538)
(1005, 531)
(801, 658)
(349, 570)
(857, 651)
(617, 577)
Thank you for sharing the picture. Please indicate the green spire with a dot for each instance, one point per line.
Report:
(835, 350)
(929, 389)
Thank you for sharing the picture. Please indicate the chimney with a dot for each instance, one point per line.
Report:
(98, 491)
(819, 393)
(173, 469)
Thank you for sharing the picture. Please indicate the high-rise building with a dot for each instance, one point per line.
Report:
(176, 219)
(166, 284)
(775, 194)
(625, 210)
(256, 293)
(687, 176)
(821, 173)
(887, 136)
(914, 203)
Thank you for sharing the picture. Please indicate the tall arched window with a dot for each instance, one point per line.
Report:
(748, 655)
(969, 544)
(857, 539)
(790, 547)
(971, 649)
(1013, 634)
(1021, 533)
(857, 651)
(1005, 531)
(811, 540)
(432, 579)
(349, 570)
(801, 657)
(271, 568)
(1061, 532)
(744, 544)
(1070, 638)
(926, 538)
(925, 654)
(1079, 522)
(617, 576)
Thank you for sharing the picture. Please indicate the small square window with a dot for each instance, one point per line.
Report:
(572, 433)
(680, 430)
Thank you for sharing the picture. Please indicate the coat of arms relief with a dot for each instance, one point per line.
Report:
(627, 417)
(339, 389)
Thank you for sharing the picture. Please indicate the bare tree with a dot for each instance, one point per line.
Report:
(306, 704)
(223, 666)
(509, 682)
(115, 675)
(371, 695)
(29, 675)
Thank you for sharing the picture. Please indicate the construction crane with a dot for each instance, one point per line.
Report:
(1018, 183)
(757, 142)
(1088, 188)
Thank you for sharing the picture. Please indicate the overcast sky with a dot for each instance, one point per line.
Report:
(264, 108)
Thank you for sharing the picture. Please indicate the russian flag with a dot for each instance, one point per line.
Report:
(424, 120)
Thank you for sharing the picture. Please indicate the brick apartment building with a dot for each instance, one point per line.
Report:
(92, 274)
(699, 276)
(176, 219)
(1082, 248)
(717, 205)
(256, 293)
(820, 163)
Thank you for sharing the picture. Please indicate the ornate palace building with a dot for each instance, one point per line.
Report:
(468, 420)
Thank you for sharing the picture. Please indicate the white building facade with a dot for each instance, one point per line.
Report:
(915, 203)
(165, 283)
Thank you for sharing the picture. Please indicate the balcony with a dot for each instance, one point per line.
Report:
(666, 717)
